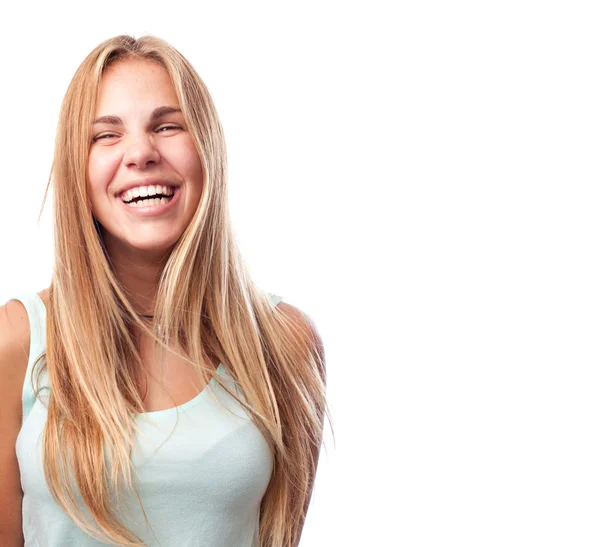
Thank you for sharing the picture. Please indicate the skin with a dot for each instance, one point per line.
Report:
(14, 353)
(138, 147)
(130, 144)
(133, 149)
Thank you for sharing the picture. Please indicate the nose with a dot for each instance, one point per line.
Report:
(141, 152)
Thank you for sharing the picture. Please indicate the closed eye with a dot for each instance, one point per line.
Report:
(161, 129)
(103, 136)
(164, 128)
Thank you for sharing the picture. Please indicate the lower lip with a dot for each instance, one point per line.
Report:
(152, 210)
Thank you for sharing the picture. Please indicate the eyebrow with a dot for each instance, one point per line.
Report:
(157, 113)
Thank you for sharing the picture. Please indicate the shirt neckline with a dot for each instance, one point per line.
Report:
(188, 404)
(165, 411)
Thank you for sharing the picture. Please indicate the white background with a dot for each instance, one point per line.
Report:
(422, 179)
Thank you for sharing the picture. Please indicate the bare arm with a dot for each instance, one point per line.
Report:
(14, 354)
(309, 331)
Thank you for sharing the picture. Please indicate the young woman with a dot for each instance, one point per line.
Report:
(152, 395)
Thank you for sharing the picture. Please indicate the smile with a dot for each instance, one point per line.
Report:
(142, 193)
(150, 205)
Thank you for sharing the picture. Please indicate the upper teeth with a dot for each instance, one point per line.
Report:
(146, 191)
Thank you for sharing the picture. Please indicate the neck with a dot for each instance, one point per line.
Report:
(138, 272)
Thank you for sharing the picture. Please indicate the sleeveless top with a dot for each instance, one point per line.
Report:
(201, 468)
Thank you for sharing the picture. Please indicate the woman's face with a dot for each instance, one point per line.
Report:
(140, 145)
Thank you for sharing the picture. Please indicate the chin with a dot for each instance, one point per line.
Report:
(151, 247)
(143, 242)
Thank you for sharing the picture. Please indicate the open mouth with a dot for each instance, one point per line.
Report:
(158, 197)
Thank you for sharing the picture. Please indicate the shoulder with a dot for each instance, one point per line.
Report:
(14, 354)
(306, 329)
(302, 320)
(14, 330)
(15, 339)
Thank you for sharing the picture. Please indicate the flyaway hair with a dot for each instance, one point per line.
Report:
(206, 304)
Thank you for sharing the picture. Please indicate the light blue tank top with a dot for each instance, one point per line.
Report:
(201, 468)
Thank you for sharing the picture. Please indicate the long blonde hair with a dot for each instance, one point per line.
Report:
(206, 303)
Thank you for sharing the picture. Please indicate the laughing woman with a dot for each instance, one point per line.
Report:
(174, 402)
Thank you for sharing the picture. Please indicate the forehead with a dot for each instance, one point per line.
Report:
(134, 84)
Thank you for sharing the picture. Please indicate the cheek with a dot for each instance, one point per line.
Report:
(186, 161)
(100, 170)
